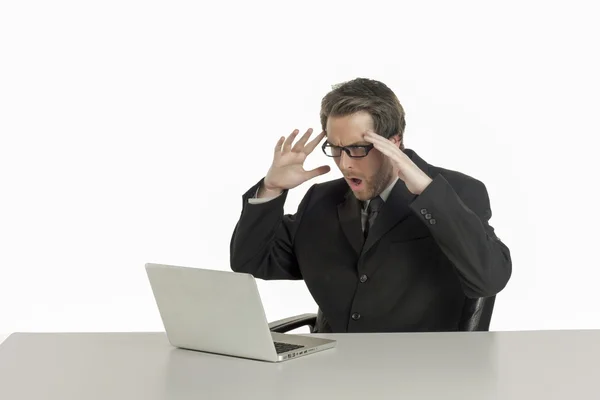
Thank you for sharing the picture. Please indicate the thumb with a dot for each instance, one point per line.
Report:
(313, 173)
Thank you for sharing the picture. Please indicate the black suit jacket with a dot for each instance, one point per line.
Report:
(423, 257)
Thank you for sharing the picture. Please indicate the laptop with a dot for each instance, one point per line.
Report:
(221, 312)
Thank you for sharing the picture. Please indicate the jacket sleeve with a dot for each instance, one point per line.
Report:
(460, 225)
(262, 243)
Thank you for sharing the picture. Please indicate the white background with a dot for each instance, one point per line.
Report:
(130, 130)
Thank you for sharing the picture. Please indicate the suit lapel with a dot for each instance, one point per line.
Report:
(349, 213)
(393, 211)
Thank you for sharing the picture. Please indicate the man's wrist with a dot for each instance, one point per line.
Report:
(422, 185)
(268, 191)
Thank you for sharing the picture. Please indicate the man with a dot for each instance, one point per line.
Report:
(396, 245)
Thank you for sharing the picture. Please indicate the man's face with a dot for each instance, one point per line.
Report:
(367, 176)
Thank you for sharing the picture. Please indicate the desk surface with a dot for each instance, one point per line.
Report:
(495, 365)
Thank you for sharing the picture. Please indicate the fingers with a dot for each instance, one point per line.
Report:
(380, 141)
(373, 137)
(384, 145)
(389, 150)
(287, 146)
(313, 143)
(313, 173)
(278, 145)
(299, 146)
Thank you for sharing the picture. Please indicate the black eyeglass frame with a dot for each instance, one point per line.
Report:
(346, 149)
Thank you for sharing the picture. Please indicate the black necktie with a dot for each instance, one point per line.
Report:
(372, 211)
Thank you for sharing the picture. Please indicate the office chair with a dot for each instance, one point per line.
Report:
(476, 316)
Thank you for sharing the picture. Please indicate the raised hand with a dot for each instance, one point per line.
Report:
(287, 170)
(415, 179)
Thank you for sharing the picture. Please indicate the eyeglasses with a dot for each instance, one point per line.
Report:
(354, 151)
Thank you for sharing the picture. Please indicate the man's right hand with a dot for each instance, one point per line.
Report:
(287, 169)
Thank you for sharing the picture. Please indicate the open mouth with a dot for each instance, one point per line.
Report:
(355, 183)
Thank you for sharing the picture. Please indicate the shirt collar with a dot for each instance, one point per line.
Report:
(384, 194)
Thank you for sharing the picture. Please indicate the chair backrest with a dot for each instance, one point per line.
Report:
(477, 314)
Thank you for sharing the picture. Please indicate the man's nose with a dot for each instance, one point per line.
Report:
(345, 160)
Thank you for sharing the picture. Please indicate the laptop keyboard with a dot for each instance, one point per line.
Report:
(285, 347)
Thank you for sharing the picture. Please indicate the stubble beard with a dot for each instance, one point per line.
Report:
(377, 184)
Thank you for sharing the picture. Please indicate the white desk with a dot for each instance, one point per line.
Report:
(504, 365)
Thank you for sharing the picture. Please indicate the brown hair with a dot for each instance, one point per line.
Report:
(368, 95)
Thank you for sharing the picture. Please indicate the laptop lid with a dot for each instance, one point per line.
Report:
(213, 311)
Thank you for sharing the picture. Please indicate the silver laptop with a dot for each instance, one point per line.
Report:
(221, 312)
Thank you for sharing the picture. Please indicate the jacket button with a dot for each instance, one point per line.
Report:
(432, 221)
(363, 278)
(423, 211)
(356, 316)
(427, 216)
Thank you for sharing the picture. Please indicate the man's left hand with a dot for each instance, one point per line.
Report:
(415, 179)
